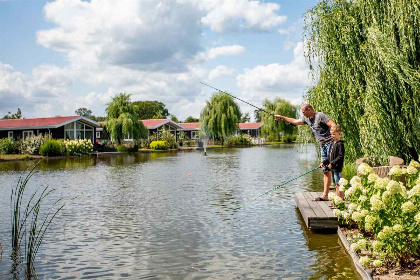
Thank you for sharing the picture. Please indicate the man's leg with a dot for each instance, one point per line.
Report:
(327, 183)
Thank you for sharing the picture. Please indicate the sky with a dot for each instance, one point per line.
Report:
(58, 56)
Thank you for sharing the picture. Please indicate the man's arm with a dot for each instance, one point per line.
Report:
(330, 123)
(289, 120)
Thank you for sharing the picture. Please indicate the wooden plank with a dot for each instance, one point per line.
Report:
(324, 224)
(324, 205)
(319, 213)
(304, 208)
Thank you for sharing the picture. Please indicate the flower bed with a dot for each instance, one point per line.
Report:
(383, 215)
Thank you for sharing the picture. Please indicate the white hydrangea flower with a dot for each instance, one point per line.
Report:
(403, 191)
(355, 247)
(408, 207)
(377, 245)
(338, 201)
(398, 228)
(417, 218)
(412, 170)
(381, 183)
(387, 230)
(358, 186)
(364, 212)
(386, 196)
(352, 206)
(372, 177)
(347, 215)
(357, 217)
(363, 198)
(355, 179)
(331, 196)
(362, 244)
(377, 204)
(415, 191)
(341, 188)
(364, 169)
(414, 164)
(395, 171)
(350, 192)
(393, 187)
(377, 263)
(337, 213)
(343, 182)
(365, 261)
(403, 171)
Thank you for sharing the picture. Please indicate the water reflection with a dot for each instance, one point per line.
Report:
(180, 216)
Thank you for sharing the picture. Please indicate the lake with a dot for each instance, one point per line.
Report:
(178, 216)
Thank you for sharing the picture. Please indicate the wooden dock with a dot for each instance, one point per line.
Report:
(317, 214)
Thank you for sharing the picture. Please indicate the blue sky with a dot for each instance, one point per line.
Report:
(57, 56)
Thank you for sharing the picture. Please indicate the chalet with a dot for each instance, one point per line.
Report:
(71, 127)
(191, 130)
(253, 129)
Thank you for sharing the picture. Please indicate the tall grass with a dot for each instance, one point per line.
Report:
(27, 227)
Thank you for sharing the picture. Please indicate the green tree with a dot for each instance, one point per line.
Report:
(122, 119)
(272, 129)
(220, 116)
(365, 55)
(245, 118)
(191, 119)
(151, 110)
(83, 112)
(18, 115)
(257, 115)
(174, 118)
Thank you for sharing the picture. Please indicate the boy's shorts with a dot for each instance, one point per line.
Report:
(324, 155)
(335, 176)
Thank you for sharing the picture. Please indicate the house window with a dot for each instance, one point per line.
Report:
(194, 134)
(78, 130)
(27, 133)
(10, 134)
(98, 134)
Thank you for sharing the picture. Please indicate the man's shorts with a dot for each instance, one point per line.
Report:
(324, 154)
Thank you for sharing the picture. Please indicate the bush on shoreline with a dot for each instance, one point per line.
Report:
(239, 140)
(387, 210)
(7, 146)
(51, 148)
(158, 145)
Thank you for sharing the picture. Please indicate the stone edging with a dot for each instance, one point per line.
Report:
(366, 274)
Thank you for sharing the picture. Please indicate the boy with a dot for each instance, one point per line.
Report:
(335, 159)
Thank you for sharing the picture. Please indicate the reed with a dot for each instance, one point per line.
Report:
(28, 228)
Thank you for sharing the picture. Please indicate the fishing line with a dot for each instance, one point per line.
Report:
(275, 188)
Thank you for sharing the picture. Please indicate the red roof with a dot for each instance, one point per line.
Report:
(192, 125)
(53, 121)
(249, 125)
(153, 122)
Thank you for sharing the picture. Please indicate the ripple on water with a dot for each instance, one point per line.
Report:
(180, 216)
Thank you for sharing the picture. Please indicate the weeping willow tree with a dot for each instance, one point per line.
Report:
(220, 116)
(365, 56)
(272, 129)
(122, 119)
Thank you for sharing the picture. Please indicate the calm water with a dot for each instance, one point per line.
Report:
(178, 216)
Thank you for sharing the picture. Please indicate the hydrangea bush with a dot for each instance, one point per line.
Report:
(32, 143)
(387, 210)
(78, 146)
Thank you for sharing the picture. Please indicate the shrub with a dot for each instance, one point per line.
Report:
(51, 148)
(7, 146)
(133, 149)
(239, 140)
(32, 144)
(166, 136)
(386, 209)
(158, 145)
(78, 146)
(122, 148)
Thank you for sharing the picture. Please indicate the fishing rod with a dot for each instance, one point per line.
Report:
(275, 188)
(261, 109)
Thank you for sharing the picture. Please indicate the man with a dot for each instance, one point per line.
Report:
(320, 124)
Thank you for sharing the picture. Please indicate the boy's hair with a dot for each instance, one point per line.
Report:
(335, 128)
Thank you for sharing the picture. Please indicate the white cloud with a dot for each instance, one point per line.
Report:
(221, 70)
(213, 53)
(138, 34)
(277, 80)
(237, 15)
